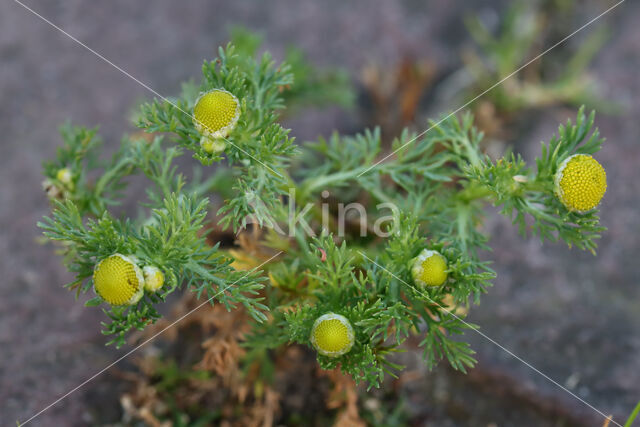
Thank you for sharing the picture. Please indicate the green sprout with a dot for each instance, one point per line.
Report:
(516, 43)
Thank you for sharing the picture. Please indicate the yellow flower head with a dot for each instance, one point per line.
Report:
(64, 176)
(214, 116)
(580, 183)
(153, 278)
(429, 268)
(332, 335)
(118, 280)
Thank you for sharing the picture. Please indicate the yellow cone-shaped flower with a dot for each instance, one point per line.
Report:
(332, 335)
(580, 183)
(153, 278)
(215, 115)
(429, 268)
(118, 280)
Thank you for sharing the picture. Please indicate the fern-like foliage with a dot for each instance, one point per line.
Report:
(429, 192)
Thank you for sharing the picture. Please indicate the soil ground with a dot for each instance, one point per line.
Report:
(573, 316)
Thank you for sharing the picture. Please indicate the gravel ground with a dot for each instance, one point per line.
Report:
(569, 314)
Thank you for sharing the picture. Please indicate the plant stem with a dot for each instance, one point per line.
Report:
(312, 184)
(633, 416)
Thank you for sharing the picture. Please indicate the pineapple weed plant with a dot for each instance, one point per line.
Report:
(353, 291)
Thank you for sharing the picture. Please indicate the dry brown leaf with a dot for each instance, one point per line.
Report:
(343, 396)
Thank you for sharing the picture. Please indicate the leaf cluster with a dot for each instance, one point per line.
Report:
(170, 239)
(258, 148)
(526, 194)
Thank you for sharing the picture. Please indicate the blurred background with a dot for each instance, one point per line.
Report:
(574, 316)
